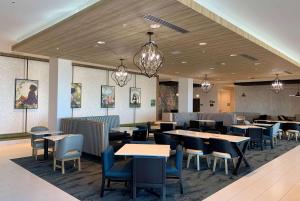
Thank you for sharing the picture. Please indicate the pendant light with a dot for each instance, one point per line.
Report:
(149, 59)
(121, 75)
(206, 86)
(277, 85)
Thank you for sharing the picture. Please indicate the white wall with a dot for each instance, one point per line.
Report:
(206, 97)
(92, 79)
(12, 120)
(262, 100)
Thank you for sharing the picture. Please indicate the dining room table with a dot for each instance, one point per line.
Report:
(239, 143)
(124, 129)
(43, 134)
(144, 150)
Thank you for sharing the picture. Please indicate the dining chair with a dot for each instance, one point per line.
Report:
(120, 171)
(68, 149)
(271, 134)
(161, 138)
(149, 172)
(139, 135)
(292, 130)
(195, 125)
(174, 167)
(37, 142)
(222, 149)
(256, 137)
(166, 127)
(195, 147)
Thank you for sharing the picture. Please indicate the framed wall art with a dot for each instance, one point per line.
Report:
(26, 94)
(76, 89)
(107, 96)
(135, 97)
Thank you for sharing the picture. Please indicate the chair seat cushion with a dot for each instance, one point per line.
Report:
(292, 131)
(221, 154)
(71, 154)
(194, 151)
(120, 169)
(171, 169)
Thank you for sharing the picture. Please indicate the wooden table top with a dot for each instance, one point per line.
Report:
(278, 121)
(277, 180)
(165, 122)
(204, 135)
(45, 132)
(144, 150)
(206, 120)
(246, 126)
(261, 124)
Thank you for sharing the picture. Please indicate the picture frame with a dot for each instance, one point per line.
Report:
(76, 93)
(26, 94)
(107, 96)
(135, 97)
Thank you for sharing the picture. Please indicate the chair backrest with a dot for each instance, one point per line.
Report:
(194, 124)
(149, 171)
(196, 144)
(73, 142)
(166, 126)
(35, 129)
(224, 146)
(275, 129)
(161, 138)
(139, 135)
(107, 159)
(255, 134)
(290, 126)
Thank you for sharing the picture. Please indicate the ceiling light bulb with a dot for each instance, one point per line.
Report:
(101, 42)
(183, 62)
(154, 26)
(202, 43)
(211, 68)
(233, 55)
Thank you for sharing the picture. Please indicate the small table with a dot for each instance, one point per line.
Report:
(124, 129)
(45, 133)
(165, 122)
(245, 127)
(144, 150)
(263, 125)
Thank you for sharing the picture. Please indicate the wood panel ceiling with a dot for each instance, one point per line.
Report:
(122, 26)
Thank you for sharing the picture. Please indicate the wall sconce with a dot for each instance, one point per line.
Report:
(243, 94)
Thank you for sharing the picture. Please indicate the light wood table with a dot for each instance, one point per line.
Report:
(245, 127)
(144, 150)
(45, 133)
(239, 143)
(205, 120)
(165, 122)
(277, 180)
(261, 124)
(124, 129)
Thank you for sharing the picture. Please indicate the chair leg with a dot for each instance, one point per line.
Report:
(63, 167)
(188, 161)
(79, 164)
(163, 193)
(198, 163)
(296, 136)
(181, 187)
(220, 165)
(54, 164)
(226, 166)
(215, 164)
(102, 186)
(208, 161)
(35, 154)
(134, 191)
(108, 183)
(234, 160)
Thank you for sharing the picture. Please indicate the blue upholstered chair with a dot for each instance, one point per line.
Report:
(37, 142)
(140, 135)
(161, 138)
(271, 134)
(174, 167)
(68, 149)
(114, 171)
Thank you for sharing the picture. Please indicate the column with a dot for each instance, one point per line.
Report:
(60, 79)
(185, 99)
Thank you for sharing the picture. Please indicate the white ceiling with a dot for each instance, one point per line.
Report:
(275, 22)
(25, 17)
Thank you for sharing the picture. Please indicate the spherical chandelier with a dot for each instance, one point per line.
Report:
(206, 86)
(277, 85)
(121, 75)
(149, 59)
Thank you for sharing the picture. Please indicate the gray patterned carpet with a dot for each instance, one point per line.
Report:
(85, 185)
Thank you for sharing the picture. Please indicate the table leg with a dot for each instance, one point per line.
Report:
(241, 154)
(45, 149)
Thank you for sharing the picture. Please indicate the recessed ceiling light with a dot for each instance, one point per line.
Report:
(13, 2)
(233, 55)
(233, 73)
(202, 43)
(203, 51)
(101, 42)
(175, 52)
(124, 25)
(256, 64)
(177, 72)
(155, 26)
(183, 62)
(223, 63)
(211, 68)
(57, 48)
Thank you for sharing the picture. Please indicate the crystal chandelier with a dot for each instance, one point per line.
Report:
(149, 59)
(206, 86)
(120, 75)
(277, 85)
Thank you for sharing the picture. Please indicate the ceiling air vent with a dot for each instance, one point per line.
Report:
(165, 23)
(246, 56)
(288, 72)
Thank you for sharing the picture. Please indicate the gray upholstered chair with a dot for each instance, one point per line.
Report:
(37, 142)
(67, 149)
